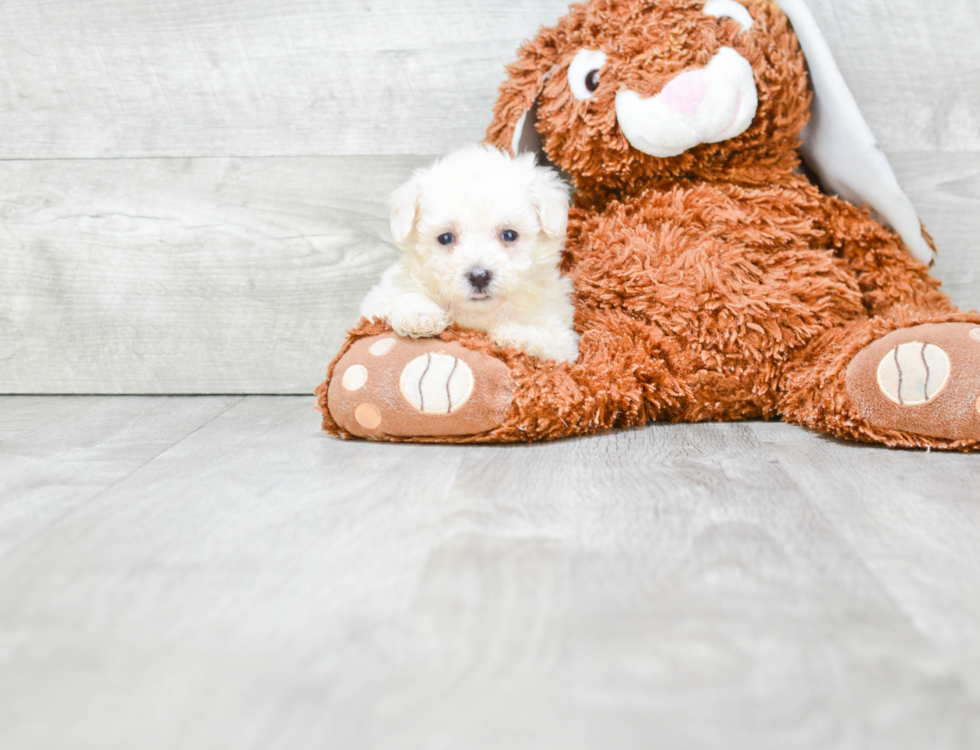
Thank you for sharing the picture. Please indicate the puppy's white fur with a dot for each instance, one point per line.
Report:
(479, 196)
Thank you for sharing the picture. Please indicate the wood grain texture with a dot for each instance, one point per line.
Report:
(253, 78)
(192, 197)
(912, 67)
(56, 454)
(945, 188)
(247, 77)
(187, 276)
(258, 584)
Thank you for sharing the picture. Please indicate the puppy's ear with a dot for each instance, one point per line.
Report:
(403, 208)
(513, 128)
(549, 196)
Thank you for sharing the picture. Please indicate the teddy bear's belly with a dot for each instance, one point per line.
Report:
(733, 286)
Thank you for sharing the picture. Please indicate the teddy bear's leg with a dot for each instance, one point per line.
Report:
(384, 386)
(460, 387)
(908, 380)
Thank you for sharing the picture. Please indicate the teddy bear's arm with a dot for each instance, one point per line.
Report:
(887, 273)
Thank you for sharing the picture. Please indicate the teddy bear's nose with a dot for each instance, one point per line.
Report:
(686, 92)
(480, 278)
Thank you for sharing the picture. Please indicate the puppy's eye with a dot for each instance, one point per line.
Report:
(446, 239)
(508, 235)
(584, 72)
(729, 9)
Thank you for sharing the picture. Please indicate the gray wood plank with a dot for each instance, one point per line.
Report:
(186, 276)
(56, 454)
(261, 585)
(246, 77)
(945, 188)
(912, 68)
(914, 519)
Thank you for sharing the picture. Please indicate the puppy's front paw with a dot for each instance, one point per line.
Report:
(420, 320)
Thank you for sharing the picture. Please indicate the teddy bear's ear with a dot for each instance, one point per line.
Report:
(513, 128)
(526, 139)
(403, 208)
(839, 146)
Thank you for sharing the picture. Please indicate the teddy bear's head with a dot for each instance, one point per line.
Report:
(622, 91)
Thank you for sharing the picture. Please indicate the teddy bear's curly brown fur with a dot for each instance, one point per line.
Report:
(719, 284)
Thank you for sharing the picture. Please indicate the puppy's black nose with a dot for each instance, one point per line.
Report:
(480, 278)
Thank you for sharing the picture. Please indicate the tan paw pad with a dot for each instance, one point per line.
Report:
(367, 416)
(355, 377)
(382, 347)
(914, 373)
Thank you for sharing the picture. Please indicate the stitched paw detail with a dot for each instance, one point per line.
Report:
(437, 383)
(913, 374)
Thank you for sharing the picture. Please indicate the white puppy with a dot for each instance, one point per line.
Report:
(482, 237)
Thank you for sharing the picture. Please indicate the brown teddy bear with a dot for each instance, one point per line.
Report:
(714, 280)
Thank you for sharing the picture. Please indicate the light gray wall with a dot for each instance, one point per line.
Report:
(192, 194)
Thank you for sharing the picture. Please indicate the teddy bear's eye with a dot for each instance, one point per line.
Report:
(592, 80)
(446, 239)
(729, 9)
(584, 72)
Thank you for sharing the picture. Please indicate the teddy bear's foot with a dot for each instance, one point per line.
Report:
(388, 386)
(924, 380)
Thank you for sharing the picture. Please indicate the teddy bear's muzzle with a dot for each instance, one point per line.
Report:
(707, 105)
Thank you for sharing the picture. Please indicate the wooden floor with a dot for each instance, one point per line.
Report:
(214, 572)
